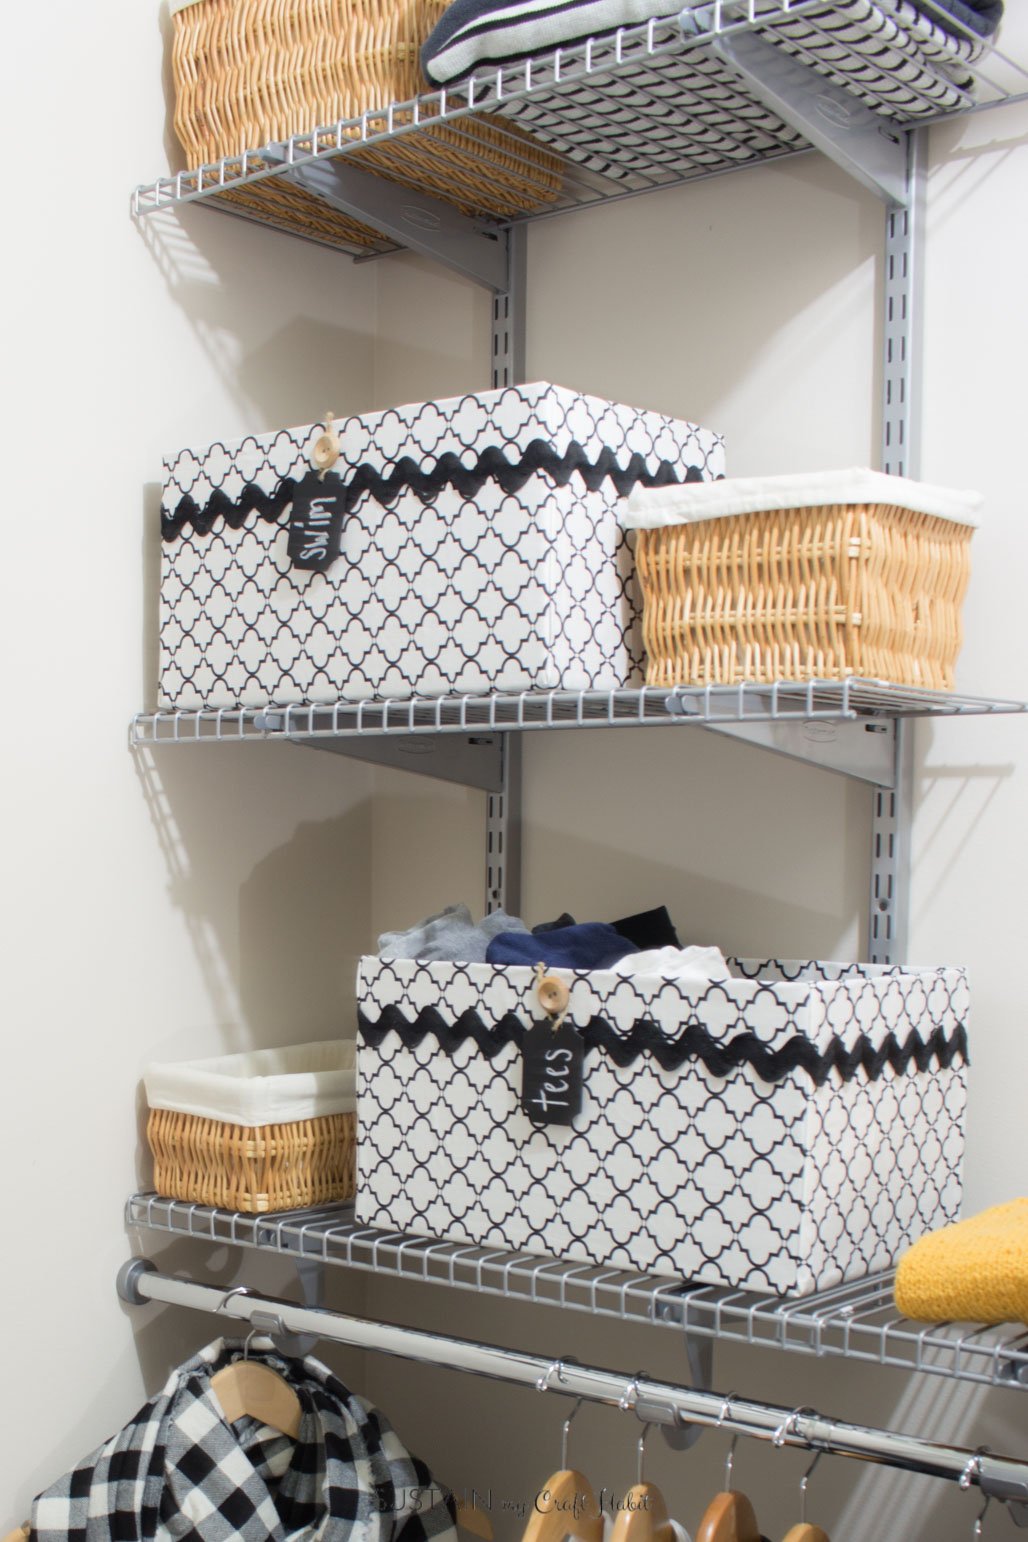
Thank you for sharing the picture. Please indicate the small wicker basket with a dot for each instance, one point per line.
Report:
(852, 574)
(249, 74)
(258, 1132)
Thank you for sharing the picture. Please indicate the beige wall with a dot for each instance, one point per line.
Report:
(208, 898)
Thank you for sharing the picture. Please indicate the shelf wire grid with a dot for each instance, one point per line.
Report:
(857, 1321)
(662, 133)
(784, 701)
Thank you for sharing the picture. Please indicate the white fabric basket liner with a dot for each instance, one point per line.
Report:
(653, 508)
(260, 1086)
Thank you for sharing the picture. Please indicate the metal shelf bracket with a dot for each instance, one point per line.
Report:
(415, 220)
(699, 1352)
(834, 121)
(475, 761)
(862, 750)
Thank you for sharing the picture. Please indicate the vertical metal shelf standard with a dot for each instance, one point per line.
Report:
(893, 164)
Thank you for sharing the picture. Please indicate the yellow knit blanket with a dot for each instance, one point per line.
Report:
(973, 1271)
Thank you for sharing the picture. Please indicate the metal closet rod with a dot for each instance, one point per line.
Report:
(1001, 1477)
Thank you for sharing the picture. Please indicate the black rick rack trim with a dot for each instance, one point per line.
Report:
(448, 471)
(694, 1043)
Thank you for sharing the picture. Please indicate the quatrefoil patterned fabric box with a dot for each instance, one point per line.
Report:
(478, 549)
(792, 1128)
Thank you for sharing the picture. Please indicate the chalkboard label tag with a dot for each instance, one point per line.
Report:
(316, 521)
(551, 1074)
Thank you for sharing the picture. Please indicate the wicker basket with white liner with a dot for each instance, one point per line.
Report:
(818, 576)
(269, 1129)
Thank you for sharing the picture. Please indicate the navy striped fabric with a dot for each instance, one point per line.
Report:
(491, 32)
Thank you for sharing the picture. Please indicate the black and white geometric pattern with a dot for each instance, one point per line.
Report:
(681, 111)
(431, 595)
(180, 1470)
(667, 116)
(819, 1167)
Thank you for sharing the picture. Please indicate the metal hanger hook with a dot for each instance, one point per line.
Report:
(564, 1434)
(788, 1427)
(237, 1290)
(803, 1486)
(556, 1367)
(973, 1470)
(641, 1453)
(630, 1396)
(726, 1408)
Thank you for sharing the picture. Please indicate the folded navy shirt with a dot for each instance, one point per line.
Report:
(649, 929)
(590, 945)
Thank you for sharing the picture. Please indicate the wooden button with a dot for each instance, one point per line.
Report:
(325, 452)
(553, 995)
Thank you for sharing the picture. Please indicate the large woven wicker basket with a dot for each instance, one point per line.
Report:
(868, 582)
(249, 73)
(270, 1130)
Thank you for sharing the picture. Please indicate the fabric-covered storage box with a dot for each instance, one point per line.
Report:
(792, 1128)
(269, 1129)
(818, 576)
(478, 549)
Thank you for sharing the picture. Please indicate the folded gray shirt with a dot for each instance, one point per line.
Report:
(449, 937)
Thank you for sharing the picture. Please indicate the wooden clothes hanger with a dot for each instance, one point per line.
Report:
(572, 1507)
(644, 1515)
(473, 1520)
(248, 1387)
(573, 1511)
(730, 1516)
(803, 1531)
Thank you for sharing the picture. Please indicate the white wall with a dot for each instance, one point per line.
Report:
(205, 898)
(159, 907)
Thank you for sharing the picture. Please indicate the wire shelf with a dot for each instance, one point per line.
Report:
(856, 1321)
(645, 107)
(785, 701)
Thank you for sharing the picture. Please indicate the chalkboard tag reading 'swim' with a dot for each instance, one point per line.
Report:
(551, 1073)
(316, 521)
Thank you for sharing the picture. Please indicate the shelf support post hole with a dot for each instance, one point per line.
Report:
(889, 899)
(503, 833)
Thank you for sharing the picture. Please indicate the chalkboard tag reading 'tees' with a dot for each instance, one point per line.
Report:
(316, 521)
(551, 1074)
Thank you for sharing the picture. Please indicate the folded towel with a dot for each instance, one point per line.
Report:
(982, 17)
(471, 32)
(973, 1271)
(591, 945)
(491, 32)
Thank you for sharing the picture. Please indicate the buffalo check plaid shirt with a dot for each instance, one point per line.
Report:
(179, 1472)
